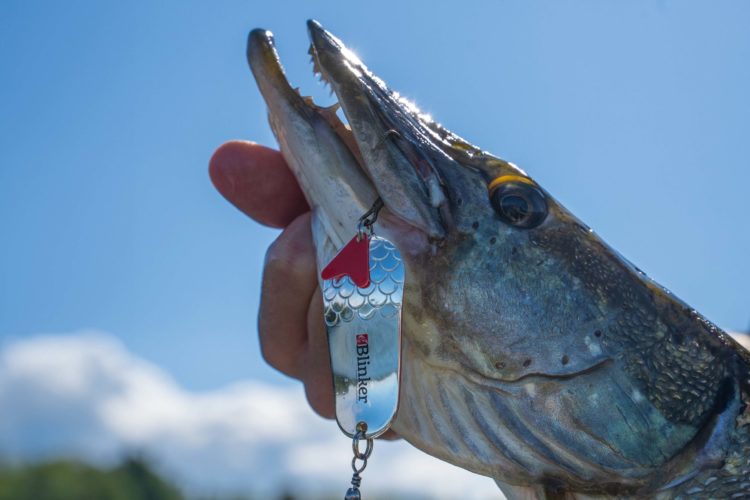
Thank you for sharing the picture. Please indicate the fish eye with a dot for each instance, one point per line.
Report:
(518, 201)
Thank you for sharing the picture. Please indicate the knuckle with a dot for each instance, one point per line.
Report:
(267, 351)
(281, 262)
(276, 353)
(320, 400)
(277, 255)
(292, 253)
(278, 359)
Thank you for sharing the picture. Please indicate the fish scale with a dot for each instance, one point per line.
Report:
(532, 352)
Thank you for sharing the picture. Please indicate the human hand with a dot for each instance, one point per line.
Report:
(292, 334)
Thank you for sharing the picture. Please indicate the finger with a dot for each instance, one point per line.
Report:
(256, 180)
(317, 362)
(289, 281)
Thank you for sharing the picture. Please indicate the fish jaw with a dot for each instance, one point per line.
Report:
(336, 188)
(368, 107)
(534, 356)
(432, 182)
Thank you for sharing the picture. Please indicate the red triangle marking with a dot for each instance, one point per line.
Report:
(353, 260)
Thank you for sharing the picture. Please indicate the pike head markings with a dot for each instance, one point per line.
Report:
(533, 353)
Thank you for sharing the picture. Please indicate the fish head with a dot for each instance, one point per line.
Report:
(521, 328)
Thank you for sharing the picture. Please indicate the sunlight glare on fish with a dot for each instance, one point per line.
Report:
(351, 57)
(412, 107)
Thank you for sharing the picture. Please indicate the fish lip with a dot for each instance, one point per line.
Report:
(269, 73)
(395, 142)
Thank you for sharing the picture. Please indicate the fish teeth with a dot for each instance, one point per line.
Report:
(316, 67)
(314, 61)
(317, 71)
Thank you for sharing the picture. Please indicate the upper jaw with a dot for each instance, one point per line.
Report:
(394, 143)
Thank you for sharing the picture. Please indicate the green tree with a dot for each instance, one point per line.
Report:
(70, 480)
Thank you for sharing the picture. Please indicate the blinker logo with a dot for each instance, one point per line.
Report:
(363, 362)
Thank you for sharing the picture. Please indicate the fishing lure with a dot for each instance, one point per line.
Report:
(363, 288)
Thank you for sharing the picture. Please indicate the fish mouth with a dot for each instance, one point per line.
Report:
(390, 141)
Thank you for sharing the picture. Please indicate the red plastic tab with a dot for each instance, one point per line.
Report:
(353, 260)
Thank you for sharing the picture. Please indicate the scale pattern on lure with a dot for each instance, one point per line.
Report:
(532, 352)
(343, 301)
(364, 338)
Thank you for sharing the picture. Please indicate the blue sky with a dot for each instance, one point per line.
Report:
(633, 114)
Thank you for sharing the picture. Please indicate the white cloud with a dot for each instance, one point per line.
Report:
(85, 395)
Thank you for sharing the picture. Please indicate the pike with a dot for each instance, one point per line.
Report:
(532, 352)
